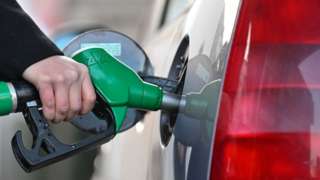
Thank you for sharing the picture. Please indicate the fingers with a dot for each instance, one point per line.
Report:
(61, 91)
(65, 87)
(75, 100)
(48, 100)
(88, 95)
(68, 97)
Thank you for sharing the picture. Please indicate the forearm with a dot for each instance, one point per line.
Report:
(22, 42)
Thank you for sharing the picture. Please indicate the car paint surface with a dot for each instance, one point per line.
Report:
(209, 26)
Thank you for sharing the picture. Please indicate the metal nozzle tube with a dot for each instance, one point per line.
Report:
(172, 102)
(14, 97)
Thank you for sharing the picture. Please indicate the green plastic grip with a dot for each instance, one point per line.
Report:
(6, 104)
(118, 84)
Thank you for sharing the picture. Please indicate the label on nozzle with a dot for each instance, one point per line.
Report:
(112, 48)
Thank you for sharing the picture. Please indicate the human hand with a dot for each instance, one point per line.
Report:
(64, 87)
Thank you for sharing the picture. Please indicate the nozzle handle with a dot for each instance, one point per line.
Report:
(24, 92)
(14, 95)
(20, 92)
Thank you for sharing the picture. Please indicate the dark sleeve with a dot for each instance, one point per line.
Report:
(21, 42)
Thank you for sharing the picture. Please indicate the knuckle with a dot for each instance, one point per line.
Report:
(44, 80)
(91, 99)
(47, 95)
(83, 68)
(63, 109)
(75, 108)
(49, 102)
(59, 78)
(71, 75)
(46, 92)
(47, 98)
(48, 115)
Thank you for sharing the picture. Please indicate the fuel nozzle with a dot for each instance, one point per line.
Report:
(122, 88)
(195, 104)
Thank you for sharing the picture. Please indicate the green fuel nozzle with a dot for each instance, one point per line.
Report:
(120, 87)
(115, 82)
(7, 98)
(118, 84)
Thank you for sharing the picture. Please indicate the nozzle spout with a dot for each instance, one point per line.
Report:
(172, 102)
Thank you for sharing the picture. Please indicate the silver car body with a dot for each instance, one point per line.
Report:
(139, 153)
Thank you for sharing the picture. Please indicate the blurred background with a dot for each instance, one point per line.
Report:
(61, 20)
(59, 16)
